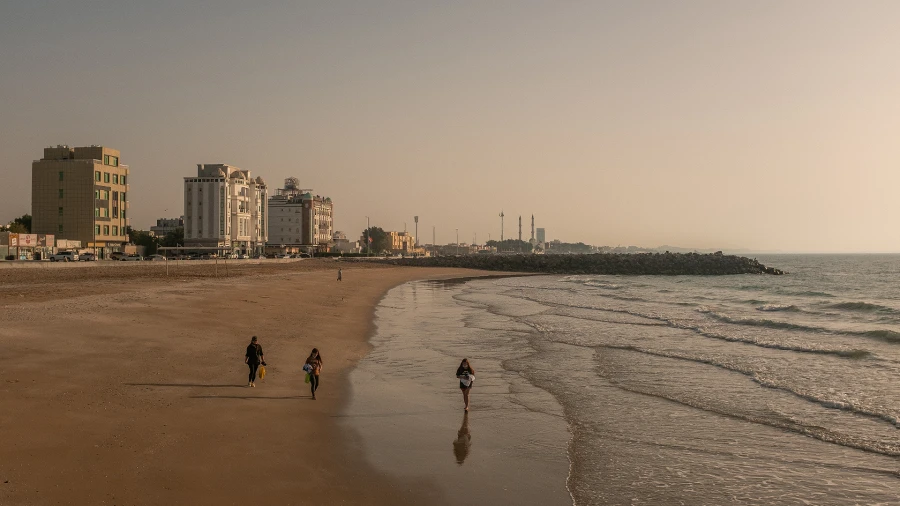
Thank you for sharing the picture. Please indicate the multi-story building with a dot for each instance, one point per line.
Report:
(402, 243)
(300, 221)
(81, 194)
(224, 207)
(343, 245)
(541, 236)
(164, 226)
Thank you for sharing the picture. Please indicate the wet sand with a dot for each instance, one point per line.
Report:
(121, 386)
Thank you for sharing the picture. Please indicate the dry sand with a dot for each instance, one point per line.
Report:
(121, 386)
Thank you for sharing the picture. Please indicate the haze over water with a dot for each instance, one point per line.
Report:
(674, 390)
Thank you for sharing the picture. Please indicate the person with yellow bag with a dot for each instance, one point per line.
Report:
(254, 358)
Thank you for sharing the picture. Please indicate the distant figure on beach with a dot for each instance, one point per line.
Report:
(340, 271)
(466, 375)
(313, 366)
(463, 441)
(253, 358)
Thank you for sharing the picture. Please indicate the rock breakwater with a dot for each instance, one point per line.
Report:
(664, 264)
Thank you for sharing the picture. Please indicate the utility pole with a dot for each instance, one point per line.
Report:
(433, 242)
(501, 230)
(457, 241)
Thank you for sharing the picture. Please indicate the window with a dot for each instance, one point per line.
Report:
(105, 159)
(105, 194)
(60, 211)
(59, 228)
(106, 177)
(115, 230)
(115, 195)
(123, 179)
(96, 175)
(123, 214)
(115, 179)
(106, 212)
(97, 211)
(105, 229)
(115, 212)
(60, 193)
(114, 161)
(96, 229)
(60, 175)
(97, 194)
(123, 196)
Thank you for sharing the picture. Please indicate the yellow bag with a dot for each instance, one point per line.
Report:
(262, 372)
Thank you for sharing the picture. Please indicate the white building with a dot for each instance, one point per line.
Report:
(300, 221)
(165, 226)
(225, 207)
(343, 245)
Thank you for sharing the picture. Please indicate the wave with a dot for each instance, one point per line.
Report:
(888, 336)
(779, 307)
(827, 403)
(884, 335)
(863, 307)
(808, 293)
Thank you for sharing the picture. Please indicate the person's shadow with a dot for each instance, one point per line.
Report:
(463, 441)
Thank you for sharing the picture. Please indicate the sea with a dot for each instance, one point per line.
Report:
(657, 390)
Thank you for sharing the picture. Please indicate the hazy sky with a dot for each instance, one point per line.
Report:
(766, 125)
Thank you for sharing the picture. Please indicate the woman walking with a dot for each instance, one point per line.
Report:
(313, 366)
(466, 375)
(253, 358)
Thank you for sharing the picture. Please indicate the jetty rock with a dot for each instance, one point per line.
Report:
(638, 264)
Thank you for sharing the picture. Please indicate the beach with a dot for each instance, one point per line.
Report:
(121, 385)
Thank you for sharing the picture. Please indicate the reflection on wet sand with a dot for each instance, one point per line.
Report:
(463, 441)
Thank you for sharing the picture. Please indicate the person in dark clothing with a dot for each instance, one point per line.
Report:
(253, 358)
(313, 366)
(466, 374)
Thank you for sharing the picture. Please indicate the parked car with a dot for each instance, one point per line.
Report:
(132, 258)
(156, 258)
(117, 255)
(64, 256)
(243, 256)
(87, 257)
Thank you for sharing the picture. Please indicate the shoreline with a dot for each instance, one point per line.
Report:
(141, 402)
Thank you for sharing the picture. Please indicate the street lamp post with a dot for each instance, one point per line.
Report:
(457, 241)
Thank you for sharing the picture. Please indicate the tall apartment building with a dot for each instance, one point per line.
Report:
(81, 194)
(299, 220)
(541, 236)
(225, 207)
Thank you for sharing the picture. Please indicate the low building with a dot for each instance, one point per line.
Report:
(165, 226)
(14, 246)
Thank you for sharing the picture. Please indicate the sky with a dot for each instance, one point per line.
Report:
(763, 126)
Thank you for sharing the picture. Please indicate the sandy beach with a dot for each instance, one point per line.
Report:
(122, 386)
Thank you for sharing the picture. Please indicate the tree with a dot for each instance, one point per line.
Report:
(25, 222)
(173, 238)
(17, 228)
(380, 240)
(143, 238)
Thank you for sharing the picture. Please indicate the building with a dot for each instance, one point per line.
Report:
(342, 244)
(541, 236)
(165, 226)
(300, 221)
(81, 194)
(14, 246)
(225, 207)
(402, 243)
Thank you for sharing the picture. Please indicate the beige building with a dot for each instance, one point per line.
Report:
(300, 221)
(402, 243)
(227, 208)
(81, 194)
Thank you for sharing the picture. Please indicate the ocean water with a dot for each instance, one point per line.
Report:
(646, 390)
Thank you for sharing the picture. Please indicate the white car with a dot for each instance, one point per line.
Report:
(64, 256)
(132, 258)
(156, 258)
